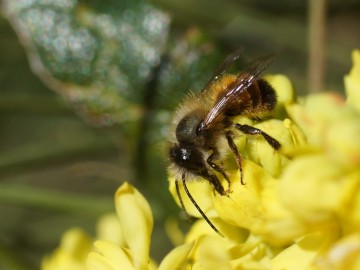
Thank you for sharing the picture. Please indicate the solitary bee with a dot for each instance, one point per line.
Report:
(203, 125)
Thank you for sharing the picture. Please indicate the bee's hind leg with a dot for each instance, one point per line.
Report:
(255, 131)
(233, 147)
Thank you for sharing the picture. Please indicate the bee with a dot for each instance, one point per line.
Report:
(204, 126)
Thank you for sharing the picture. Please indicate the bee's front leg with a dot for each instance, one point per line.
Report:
(210, 160)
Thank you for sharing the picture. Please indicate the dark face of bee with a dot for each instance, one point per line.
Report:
(188, 157)
(186, 153)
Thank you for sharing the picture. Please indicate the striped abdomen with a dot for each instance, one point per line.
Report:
(258, 98)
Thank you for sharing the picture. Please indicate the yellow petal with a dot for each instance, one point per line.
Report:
(314, 120)
(243, 206)
(246, 247)
(298, 138)
(96, 261)
(177, 257)
(76, 242)
(136, 223)
(72, 252)
(352, 82)
(252, 254)
(109, 256)
(301, 255)
(256, 206)
(173, 231)
(108, 228)
(262, 153)
(314, 187)
(349, 208)
(209, 253)
(201, 191)
(233, 234)
(61, 260)
(343, 255)
(152, 265)
(342, 142)
(300, 145)
(279, 226)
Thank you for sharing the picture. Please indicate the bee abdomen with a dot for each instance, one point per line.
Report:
(267, 95)
(260, 97)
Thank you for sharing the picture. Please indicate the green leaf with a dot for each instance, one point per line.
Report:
(97, 54)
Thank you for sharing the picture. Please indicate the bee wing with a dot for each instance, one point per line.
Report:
(242, 82)
(223, 67)
(257, 66)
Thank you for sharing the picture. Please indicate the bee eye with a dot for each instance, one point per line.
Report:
(200, 128)
(186, 131)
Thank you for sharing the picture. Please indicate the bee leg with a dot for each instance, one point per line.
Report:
(219, 169)
(198, 207)
(214, 181)
(233, 147)
(255, 131)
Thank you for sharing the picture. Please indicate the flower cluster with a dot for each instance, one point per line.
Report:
(299, 208)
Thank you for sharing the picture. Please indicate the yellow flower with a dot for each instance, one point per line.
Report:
(201, 250)
(302, 201)
(301, 255)
(136, 223)
(177, 258)
(299, 208)
(123, 240)
(256, 204)
(72, 253)
(76, 244)
(352, 82)
(344, 254)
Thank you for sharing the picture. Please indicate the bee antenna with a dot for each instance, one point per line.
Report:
(197, 206)
(180, 198)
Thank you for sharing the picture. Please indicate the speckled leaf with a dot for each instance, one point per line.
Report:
(101, 55)
(98, 54)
